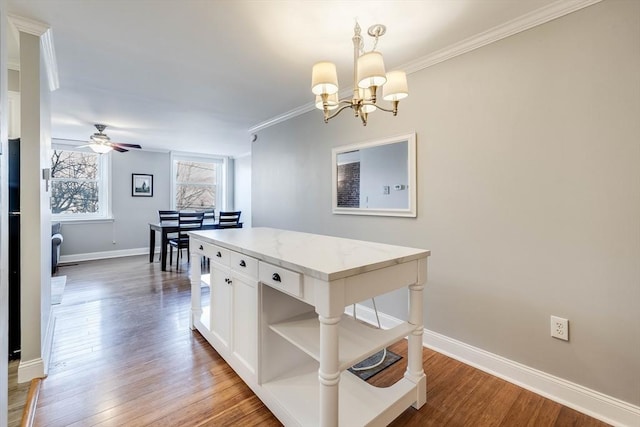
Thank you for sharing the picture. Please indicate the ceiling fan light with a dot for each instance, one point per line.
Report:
(324, 78)
(396, 87)
(100, 148)
(332, 102)
(371, 70)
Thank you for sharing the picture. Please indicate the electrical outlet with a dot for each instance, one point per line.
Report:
(560, 328)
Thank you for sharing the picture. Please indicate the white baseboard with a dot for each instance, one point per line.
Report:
(30, 369)
(106, 254)
(39, 368)
(593, 403)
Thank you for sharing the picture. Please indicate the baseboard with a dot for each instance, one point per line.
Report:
(90, 256)
(39, 368)
(30, 369)
(595, 404)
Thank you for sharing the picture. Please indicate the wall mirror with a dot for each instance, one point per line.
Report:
(376, 177)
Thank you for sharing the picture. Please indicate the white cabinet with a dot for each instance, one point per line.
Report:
(232, 322)
(244, 309)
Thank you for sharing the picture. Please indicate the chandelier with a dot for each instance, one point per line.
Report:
(368, 75)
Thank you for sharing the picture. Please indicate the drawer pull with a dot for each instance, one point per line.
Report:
(242, 263)
(219, 255)
(276, 277)
(201, 248)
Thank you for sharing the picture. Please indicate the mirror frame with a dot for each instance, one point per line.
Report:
(411, 211)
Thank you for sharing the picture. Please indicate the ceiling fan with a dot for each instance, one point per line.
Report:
(101, 143)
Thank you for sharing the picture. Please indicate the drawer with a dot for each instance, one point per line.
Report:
(197, 246)
(217, 254)
(280, 278)
(244, 264)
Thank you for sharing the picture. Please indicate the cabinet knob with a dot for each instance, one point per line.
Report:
(242, 263)
(201, 248)
(276, 277)
(219, 255)
(229, 281)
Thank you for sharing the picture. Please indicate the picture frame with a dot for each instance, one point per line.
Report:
(141, 185)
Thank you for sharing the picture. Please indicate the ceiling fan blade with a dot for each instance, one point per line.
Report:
(121, 144)
(119, 149)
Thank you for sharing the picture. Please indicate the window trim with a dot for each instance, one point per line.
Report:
(105, 213)
(221, 190)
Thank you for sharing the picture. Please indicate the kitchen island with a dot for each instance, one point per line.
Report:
(275, 313)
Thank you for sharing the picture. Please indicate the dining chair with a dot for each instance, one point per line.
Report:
(209, 215)
(168, 216)
(187, 221)
(229, 219)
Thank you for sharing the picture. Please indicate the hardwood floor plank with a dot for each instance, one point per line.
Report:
(123, 355)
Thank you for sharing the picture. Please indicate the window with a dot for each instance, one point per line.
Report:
(79, 183)
(197, 183)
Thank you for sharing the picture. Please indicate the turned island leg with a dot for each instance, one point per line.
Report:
(415, 371)
(329, 372)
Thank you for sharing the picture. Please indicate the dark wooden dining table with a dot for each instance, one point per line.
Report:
(167, 227)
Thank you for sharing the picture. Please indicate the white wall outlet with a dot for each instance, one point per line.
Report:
(560, 328)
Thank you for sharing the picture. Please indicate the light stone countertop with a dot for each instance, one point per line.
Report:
(324, 257)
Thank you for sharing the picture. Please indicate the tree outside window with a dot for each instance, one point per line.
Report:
(77, 182)
(196, 184)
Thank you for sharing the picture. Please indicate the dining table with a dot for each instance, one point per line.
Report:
(167, 227)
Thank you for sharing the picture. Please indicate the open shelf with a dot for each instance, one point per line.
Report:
(206, 279)
(360, 403)
(357, 341)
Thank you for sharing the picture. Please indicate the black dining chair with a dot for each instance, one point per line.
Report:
(229, 219)
(209, 215)
(187, 221)
(168, 216)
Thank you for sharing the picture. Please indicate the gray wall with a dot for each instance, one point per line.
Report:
(13, 80)
(528, 193)
(129, 229)
(242, 188)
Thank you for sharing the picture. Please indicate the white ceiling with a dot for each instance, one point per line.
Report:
(196, 75)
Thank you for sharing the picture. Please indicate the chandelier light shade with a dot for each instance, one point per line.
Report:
(396, 87)
(324, 78)
(371, 70)
(368, 76)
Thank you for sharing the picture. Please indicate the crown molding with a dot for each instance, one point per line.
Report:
(525, 22)
(44, 32)
(283, 117)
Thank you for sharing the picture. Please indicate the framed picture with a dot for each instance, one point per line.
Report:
(141, 185)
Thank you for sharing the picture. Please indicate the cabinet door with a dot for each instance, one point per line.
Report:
(245, 320)
(220, 304)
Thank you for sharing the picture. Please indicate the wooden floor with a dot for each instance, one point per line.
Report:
(17, 396)
(123, 355)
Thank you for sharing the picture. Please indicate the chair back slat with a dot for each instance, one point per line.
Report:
(229, 219)
(189, 221)
(168, 216)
